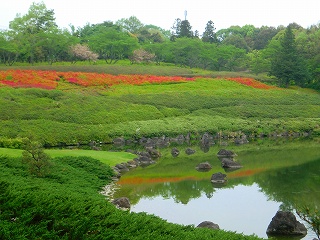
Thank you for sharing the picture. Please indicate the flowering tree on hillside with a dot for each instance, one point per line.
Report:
(82, 52)
(141, 55)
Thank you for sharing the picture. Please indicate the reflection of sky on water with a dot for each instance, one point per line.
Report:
(244, 209)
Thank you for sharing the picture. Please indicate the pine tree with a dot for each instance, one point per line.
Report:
(185, 30)
(181, 29)
(287, 65)
(209, 34)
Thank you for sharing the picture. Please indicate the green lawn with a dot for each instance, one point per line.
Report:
(110, 158)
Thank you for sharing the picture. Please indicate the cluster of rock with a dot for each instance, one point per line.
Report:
(206, 140)
(175, 151)
(228, 163)
(227, 159)
(145, 158)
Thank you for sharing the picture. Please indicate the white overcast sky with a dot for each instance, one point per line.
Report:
(162, 13)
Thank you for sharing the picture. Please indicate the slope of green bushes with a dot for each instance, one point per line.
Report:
(213, 105)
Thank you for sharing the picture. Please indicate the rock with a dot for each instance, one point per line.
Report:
(122, 167)
(286, 224)
(132, 164)
(229, 163)
(175, 152)
(242, 140)
(218, 178)
(226, 153)
(117, 173)
(154, 153)
(208, 224)
(206, 139)
(205, 166)
(119, 141)
(179, 139)
(144, 159)
(190, 151)
(122, 202)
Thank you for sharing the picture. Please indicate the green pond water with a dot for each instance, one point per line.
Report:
(276, 175)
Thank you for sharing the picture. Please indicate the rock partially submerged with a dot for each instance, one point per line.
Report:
(219, 178)
(286, 224)
(190, 151)
(226, 153)
(122, 202)
(122, 167)
(205, 166)
(230, 163)
(175, 152)
(208, 224)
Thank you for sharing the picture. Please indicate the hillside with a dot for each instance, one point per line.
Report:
(82, 107)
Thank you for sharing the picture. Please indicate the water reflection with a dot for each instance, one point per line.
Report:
(277, 174)
(243, 209)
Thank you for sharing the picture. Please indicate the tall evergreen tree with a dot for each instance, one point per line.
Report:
(181, 29)
(209, 34)
(185, 29)
(287, 65)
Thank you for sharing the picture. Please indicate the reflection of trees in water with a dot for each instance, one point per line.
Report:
(182, 191)
(312, 217)
(294, 186)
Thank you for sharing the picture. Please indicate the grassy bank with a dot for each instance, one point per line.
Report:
(66, 205)
(109, 158)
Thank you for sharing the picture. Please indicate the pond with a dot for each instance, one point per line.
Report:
(275, 175)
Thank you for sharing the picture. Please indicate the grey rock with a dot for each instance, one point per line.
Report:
(122, 202)
(205, 166)
(208, 224)
(190, 151)
(122, 167)
(120, 141)
(219, 178)
(229, 163)
(154, 153)
(175, 152)
(226, 153)
(286, 224)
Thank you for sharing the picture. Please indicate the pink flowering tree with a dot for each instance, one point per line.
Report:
(82, 52)
(141, 55)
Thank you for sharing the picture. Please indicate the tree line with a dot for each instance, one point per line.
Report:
(291, 53)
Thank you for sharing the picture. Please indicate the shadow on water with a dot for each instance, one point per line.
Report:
(275, 175)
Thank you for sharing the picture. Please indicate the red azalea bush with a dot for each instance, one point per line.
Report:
(251, 82)
(51, 79)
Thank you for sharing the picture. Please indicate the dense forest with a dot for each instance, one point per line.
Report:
(289, 53)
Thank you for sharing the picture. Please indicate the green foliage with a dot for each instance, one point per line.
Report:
(35, 158)
(6, 142)
(287, 65)
(111, 44)
(209, 34)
